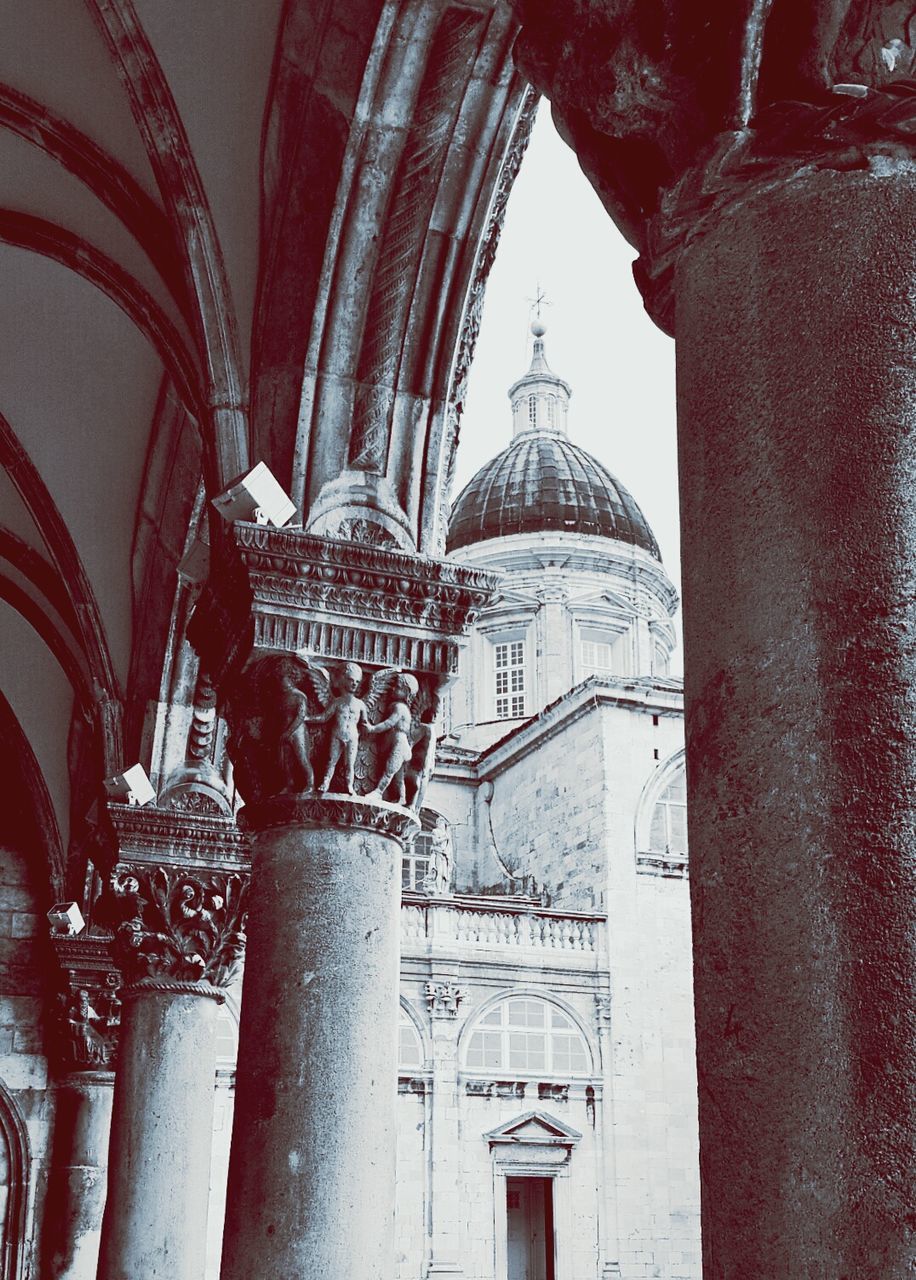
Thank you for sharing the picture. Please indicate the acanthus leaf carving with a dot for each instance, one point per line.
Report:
(176, 924)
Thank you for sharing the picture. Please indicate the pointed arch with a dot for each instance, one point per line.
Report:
(14, 1138)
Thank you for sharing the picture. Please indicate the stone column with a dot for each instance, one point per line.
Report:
(178, 940)
(330, 657)
(798, 464)
(84, 1050)
(444, 997)
(768, 179)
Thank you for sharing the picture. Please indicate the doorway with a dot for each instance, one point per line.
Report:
(529, 1216)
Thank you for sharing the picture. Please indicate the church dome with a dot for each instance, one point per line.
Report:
(542, 480)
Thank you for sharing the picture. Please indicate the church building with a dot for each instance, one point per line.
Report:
(547, 1081)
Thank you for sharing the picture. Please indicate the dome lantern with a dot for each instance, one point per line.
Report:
(540, 399)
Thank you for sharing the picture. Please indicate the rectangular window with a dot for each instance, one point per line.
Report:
(597, 657)
(509, 663)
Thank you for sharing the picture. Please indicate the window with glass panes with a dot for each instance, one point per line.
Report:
(509, 660)
(668, 833)
(410, 1050)
(597, 656)
(530, 1036)
(532, 411)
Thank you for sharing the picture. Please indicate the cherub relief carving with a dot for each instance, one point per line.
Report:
(296, 720)
(396, 691)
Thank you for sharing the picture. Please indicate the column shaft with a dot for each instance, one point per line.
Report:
(76, 1176)
(796, 330)
(155, 1223)
(312, 1166)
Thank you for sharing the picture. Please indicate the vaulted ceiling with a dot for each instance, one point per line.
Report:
(228, 232)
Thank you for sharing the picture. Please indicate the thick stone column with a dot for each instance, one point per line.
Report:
(797, 402)
(178, 940)
(85, 1045)
(331, 657)
(162, 1128)
(313, 1144)
(77, 1175)
(767, 177)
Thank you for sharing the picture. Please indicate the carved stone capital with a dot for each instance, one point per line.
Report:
(178, 925)
(443, 999)
(331, 658)
(677, 116)
(87, 1011)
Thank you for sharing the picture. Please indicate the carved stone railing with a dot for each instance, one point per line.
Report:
(474, 924)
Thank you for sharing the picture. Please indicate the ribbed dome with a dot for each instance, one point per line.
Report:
(543, 481)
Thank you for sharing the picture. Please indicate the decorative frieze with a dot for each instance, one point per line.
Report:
(443, 999)
(174, 835)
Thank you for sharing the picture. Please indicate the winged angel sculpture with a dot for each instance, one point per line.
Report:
(295, 720)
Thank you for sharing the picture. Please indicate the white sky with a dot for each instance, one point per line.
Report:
(599, 338)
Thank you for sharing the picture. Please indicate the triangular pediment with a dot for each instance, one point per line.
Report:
(534, 1127)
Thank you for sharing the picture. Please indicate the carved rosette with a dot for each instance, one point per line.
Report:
(175, 927)
(331, 658)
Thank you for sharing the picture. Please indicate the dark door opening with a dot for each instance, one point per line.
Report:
(529, 1214)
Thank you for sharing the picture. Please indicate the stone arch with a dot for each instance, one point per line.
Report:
(15, 1167)
(655, 787)
(405, 1010)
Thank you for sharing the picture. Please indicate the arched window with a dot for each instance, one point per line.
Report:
(668, 831)
(551, 411)
(532, 411)
(410, 1047)
(524, 1034)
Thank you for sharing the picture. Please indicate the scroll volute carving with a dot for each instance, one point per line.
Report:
(173, 924)
(299, 726)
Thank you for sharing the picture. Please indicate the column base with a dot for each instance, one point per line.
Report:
(611, 1271)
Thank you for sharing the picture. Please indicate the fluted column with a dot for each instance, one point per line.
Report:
(178, 939)
(330, 658)
(765, 170)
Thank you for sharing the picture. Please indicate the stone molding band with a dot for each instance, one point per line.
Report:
(165, 987)
(330, 811)
(784, 141)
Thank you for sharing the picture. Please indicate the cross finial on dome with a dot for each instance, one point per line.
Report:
(540, 299)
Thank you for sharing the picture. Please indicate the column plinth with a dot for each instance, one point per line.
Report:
(331, 658)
